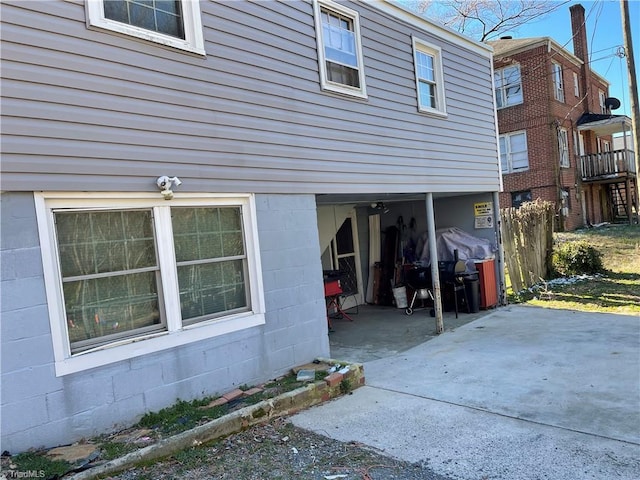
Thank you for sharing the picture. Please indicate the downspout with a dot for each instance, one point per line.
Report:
(496, 207)
(433, 255)
(498, 226)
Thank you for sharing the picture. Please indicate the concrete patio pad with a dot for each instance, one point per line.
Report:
(523, 392)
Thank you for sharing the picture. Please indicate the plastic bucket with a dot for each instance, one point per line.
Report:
(400, 295)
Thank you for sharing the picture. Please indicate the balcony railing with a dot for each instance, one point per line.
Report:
(606, 165)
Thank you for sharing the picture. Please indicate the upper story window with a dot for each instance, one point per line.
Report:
(508, 86)
(429, 77)
(563, 147)
(558, 84)
(172, 23)
(576, 85)
(514, 155)
(127, 276)
(602, 102)
(339, 49)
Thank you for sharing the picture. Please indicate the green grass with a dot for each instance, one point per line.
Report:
(616, 291)
(39, 465)
(111, 450)
(184, 415)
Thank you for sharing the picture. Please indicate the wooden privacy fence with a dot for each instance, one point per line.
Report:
(527, 237)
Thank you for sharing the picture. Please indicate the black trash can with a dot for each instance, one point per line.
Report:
(472, 288)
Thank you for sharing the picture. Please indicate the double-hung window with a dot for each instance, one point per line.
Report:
(602, 101)
(131, 276)
(576, 85)
(429, 77)
(563, 147)
(508, 86)
(558, 84)
(339, 49)
(514, 155)
(174, 23)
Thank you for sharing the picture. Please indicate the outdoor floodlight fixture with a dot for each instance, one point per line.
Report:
(165, 183)
(380, 206)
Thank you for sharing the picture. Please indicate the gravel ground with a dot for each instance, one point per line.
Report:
(279, 450)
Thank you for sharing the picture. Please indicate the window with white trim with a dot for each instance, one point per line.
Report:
(514, 156)
(602, 101)
(146, 271)
(563, 147)
(508, 86)
(576, 85)
(339, 48)
(174, 23)
(429, 77)
(558, 84)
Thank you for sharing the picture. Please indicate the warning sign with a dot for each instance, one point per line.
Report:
(483, 208)
(484, 221)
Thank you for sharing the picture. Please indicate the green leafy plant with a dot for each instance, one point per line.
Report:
(576, 258)
(40, 465)
(345, 386)
(181, 416)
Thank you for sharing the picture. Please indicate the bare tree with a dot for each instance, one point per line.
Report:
(485, 19)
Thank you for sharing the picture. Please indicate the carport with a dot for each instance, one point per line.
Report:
(351, 234)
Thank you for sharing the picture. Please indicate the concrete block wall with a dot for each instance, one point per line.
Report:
(40, 409)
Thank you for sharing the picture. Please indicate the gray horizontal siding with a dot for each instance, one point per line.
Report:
(90, 110)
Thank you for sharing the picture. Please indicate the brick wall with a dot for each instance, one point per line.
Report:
(541, 115)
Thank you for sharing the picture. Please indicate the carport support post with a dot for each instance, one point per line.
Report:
(433, 255)
(500, 266)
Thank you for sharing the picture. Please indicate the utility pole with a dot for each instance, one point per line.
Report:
(633, 88)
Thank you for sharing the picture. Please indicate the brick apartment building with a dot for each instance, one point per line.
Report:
(556, 131)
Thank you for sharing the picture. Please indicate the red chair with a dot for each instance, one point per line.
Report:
(332, 293)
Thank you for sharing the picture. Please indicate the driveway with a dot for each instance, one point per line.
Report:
(522, 393)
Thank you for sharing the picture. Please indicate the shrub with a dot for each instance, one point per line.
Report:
(576, 258)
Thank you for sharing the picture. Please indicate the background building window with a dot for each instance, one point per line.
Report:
(576, 85)
(602, 101)
(508, 86)
(518, 198)
(558, 84)
(563, 147)
(514, 155)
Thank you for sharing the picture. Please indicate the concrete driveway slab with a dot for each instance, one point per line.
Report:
(524, 392)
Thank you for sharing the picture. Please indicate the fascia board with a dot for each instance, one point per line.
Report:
(403, 13)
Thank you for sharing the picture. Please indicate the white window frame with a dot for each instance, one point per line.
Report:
(507, 137)
(193, 41)
(325, 83)
(602, 101)
(436, 53)
(175, 334)
(558, 81)
(576, 85)
(563, 147)
(502, 90)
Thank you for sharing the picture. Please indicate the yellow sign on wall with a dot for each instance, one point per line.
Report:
(483, 208)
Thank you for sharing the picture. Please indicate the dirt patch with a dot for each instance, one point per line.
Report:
(279, 450)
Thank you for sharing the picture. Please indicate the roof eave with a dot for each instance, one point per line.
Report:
(399, 11)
